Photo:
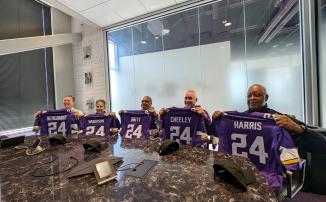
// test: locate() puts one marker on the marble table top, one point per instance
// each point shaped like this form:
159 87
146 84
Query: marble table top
186 175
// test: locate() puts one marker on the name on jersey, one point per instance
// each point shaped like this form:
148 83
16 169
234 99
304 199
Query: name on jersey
56 118
248 125
96 121
178 119
135 119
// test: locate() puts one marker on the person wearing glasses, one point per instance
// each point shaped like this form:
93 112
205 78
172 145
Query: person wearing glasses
303 136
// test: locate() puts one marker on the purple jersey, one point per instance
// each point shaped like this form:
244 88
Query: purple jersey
183 125
136 124
57 122
257 137
97 124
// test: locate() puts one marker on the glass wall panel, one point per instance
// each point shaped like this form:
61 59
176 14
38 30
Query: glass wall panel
321 9
275 60
26 78
26 85
217 49
122 83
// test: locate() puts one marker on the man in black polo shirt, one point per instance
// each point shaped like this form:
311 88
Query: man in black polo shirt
304 136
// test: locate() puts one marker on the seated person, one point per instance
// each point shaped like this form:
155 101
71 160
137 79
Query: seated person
137 124
100 123
100 109
68 103
303 136
146 104
190 101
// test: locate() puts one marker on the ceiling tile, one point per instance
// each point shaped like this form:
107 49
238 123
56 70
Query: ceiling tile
127 8
153 5
81 5
102 15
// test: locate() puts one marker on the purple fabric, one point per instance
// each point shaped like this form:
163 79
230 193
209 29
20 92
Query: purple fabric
96 124
257 138
136 124
181 125
56 122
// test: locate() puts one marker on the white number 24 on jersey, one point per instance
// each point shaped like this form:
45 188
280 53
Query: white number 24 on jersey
184 136
132 131
257 148
54 129
90 130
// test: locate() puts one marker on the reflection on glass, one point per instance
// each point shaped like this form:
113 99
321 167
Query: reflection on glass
218 49
322 58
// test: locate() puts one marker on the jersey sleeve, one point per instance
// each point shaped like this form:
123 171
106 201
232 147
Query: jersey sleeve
289 155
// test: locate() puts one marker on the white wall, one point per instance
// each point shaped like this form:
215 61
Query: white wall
165 76
221 83
62 59
95 64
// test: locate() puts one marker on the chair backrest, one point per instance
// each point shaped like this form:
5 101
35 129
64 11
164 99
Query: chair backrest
257 138
54 122
183 126
136 124
96 124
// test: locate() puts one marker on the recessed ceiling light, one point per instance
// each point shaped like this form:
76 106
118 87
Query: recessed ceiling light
228 24
165 31
143 42
156 37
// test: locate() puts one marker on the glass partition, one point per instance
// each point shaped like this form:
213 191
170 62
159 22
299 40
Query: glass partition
321 9
217 49
26 78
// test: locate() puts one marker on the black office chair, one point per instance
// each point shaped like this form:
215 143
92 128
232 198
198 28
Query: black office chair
314 166
293 181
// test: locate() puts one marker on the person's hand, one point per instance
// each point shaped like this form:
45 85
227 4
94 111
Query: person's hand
77 114
114 131
217 114
112 114
37 114
287 123
199 110
152 112
162 111
204 137
160 132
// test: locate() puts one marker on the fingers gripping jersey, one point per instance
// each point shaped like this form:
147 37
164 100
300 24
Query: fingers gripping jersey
257 137
57 122
97 124
183 125
136 124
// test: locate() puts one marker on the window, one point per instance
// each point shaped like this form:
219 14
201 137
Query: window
26 78
113 55
217 49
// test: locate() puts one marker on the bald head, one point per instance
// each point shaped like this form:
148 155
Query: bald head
256 97
190 98
146 103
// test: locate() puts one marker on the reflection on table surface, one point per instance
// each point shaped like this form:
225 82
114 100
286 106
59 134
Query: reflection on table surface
186 175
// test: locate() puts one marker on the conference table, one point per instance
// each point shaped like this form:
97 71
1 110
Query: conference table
186 175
